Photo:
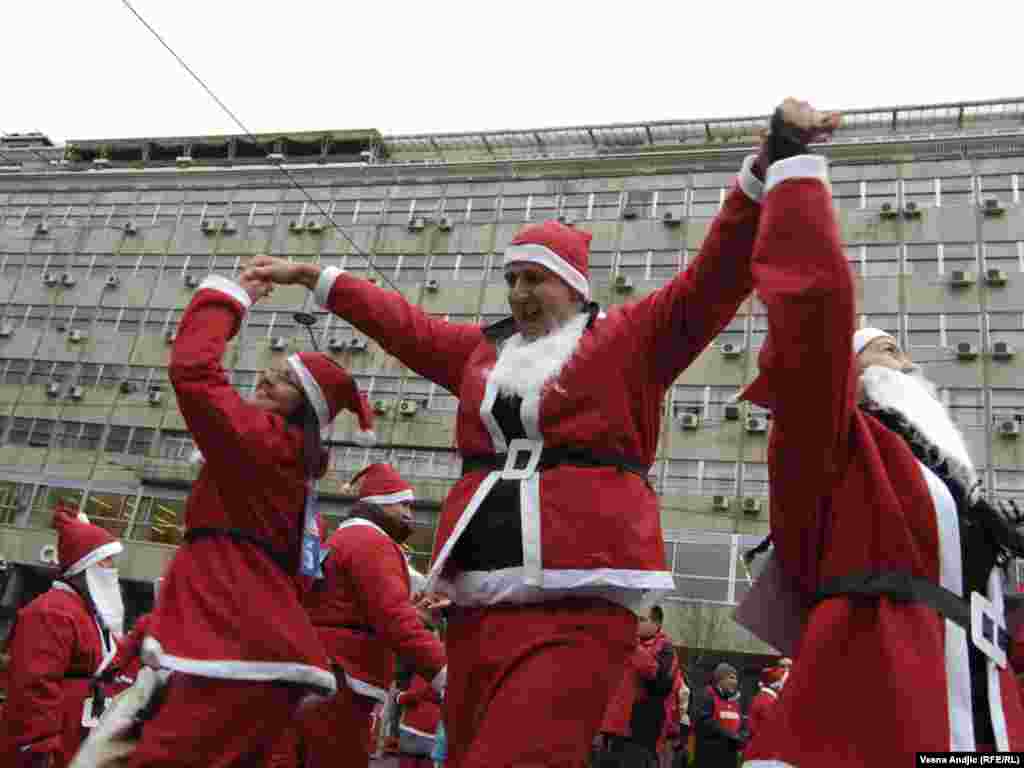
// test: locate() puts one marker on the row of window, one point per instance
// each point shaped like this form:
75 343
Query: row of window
698 196
76 435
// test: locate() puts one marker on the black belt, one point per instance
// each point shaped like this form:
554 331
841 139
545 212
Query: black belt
904 588
552 457
365 629
286 564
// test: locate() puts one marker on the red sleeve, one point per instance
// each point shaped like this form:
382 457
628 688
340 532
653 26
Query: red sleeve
644 663
676 322
377 572
808 371
40 657
235 437
419 690
128 649
756 717
433 348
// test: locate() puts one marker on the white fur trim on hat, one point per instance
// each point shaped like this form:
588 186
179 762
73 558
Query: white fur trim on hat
865 336
100 553
230 287
312 389
391 498
541 254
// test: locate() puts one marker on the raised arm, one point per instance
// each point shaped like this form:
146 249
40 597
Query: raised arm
435 349
676 322
234 436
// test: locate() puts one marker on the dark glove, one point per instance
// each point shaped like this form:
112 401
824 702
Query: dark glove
784 139
34 760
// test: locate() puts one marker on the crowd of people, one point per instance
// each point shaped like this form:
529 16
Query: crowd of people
273 644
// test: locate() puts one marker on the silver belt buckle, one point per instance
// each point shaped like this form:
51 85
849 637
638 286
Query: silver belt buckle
987 628
516 449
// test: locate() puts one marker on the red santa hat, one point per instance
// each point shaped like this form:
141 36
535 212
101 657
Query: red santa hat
329 389
564 250
773 677
80 544
381 484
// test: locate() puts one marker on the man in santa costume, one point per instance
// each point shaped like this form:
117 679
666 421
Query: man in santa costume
770 685
364 617
61 642
878 522
230 625
552 537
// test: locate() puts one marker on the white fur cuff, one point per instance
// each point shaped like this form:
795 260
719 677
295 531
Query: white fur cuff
752 186
797 167
440 681
230 287
322 292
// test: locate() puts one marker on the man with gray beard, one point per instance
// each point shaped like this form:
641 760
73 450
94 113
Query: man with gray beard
880 528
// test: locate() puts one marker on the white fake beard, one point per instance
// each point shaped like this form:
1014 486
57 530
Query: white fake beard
524 367
105 591
915 397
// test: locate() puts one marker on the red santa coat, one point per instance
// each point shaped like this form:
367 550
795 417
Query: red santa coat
848 497
761 707
230 606
421 708
56 648
363 614
573 537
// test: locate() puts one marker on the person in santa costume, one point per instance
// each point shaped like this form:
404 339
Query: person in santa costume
365 619
421 712
881 535
770 685
61 643
552 537
229 624
718 721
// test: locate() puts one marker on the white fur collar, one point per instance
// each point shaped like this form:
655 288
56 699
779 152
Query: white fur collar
524 367
914 398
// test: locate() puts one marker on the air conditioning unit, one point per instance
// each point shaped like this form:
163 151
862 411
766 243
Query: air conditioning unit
730 349
381 406
966 351
756 424
76 392
112 281
670 219
1009 428
170 336
183 161
6 330
67 280
76 336
192 281
960 278
130 228
42 228
1002 350
50 278
911 211
721 503
295 225
101 162
276 157
408 408
689 421
357 345
278 343
751 505
995 277
991 206
48 554
336 344
432 285
569 221
417 223
623 283
732 412
629 212
315 226
127 387
155 397
228 227
444 224
888 211
208 226
53 389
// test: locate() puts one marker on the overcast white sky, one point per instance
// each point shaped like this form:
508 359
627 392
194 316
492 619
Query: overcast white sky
87 69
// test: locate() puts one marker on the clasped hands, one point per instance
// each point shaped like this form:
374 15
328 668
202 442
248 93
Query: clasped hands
261 273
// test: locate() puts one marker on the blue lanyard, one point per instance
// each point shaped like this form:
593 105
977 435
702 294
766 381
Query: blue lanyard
311 560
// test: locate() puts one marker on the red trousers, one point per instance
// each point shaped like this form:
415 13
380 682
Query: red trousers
210 723
334 732
528 685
